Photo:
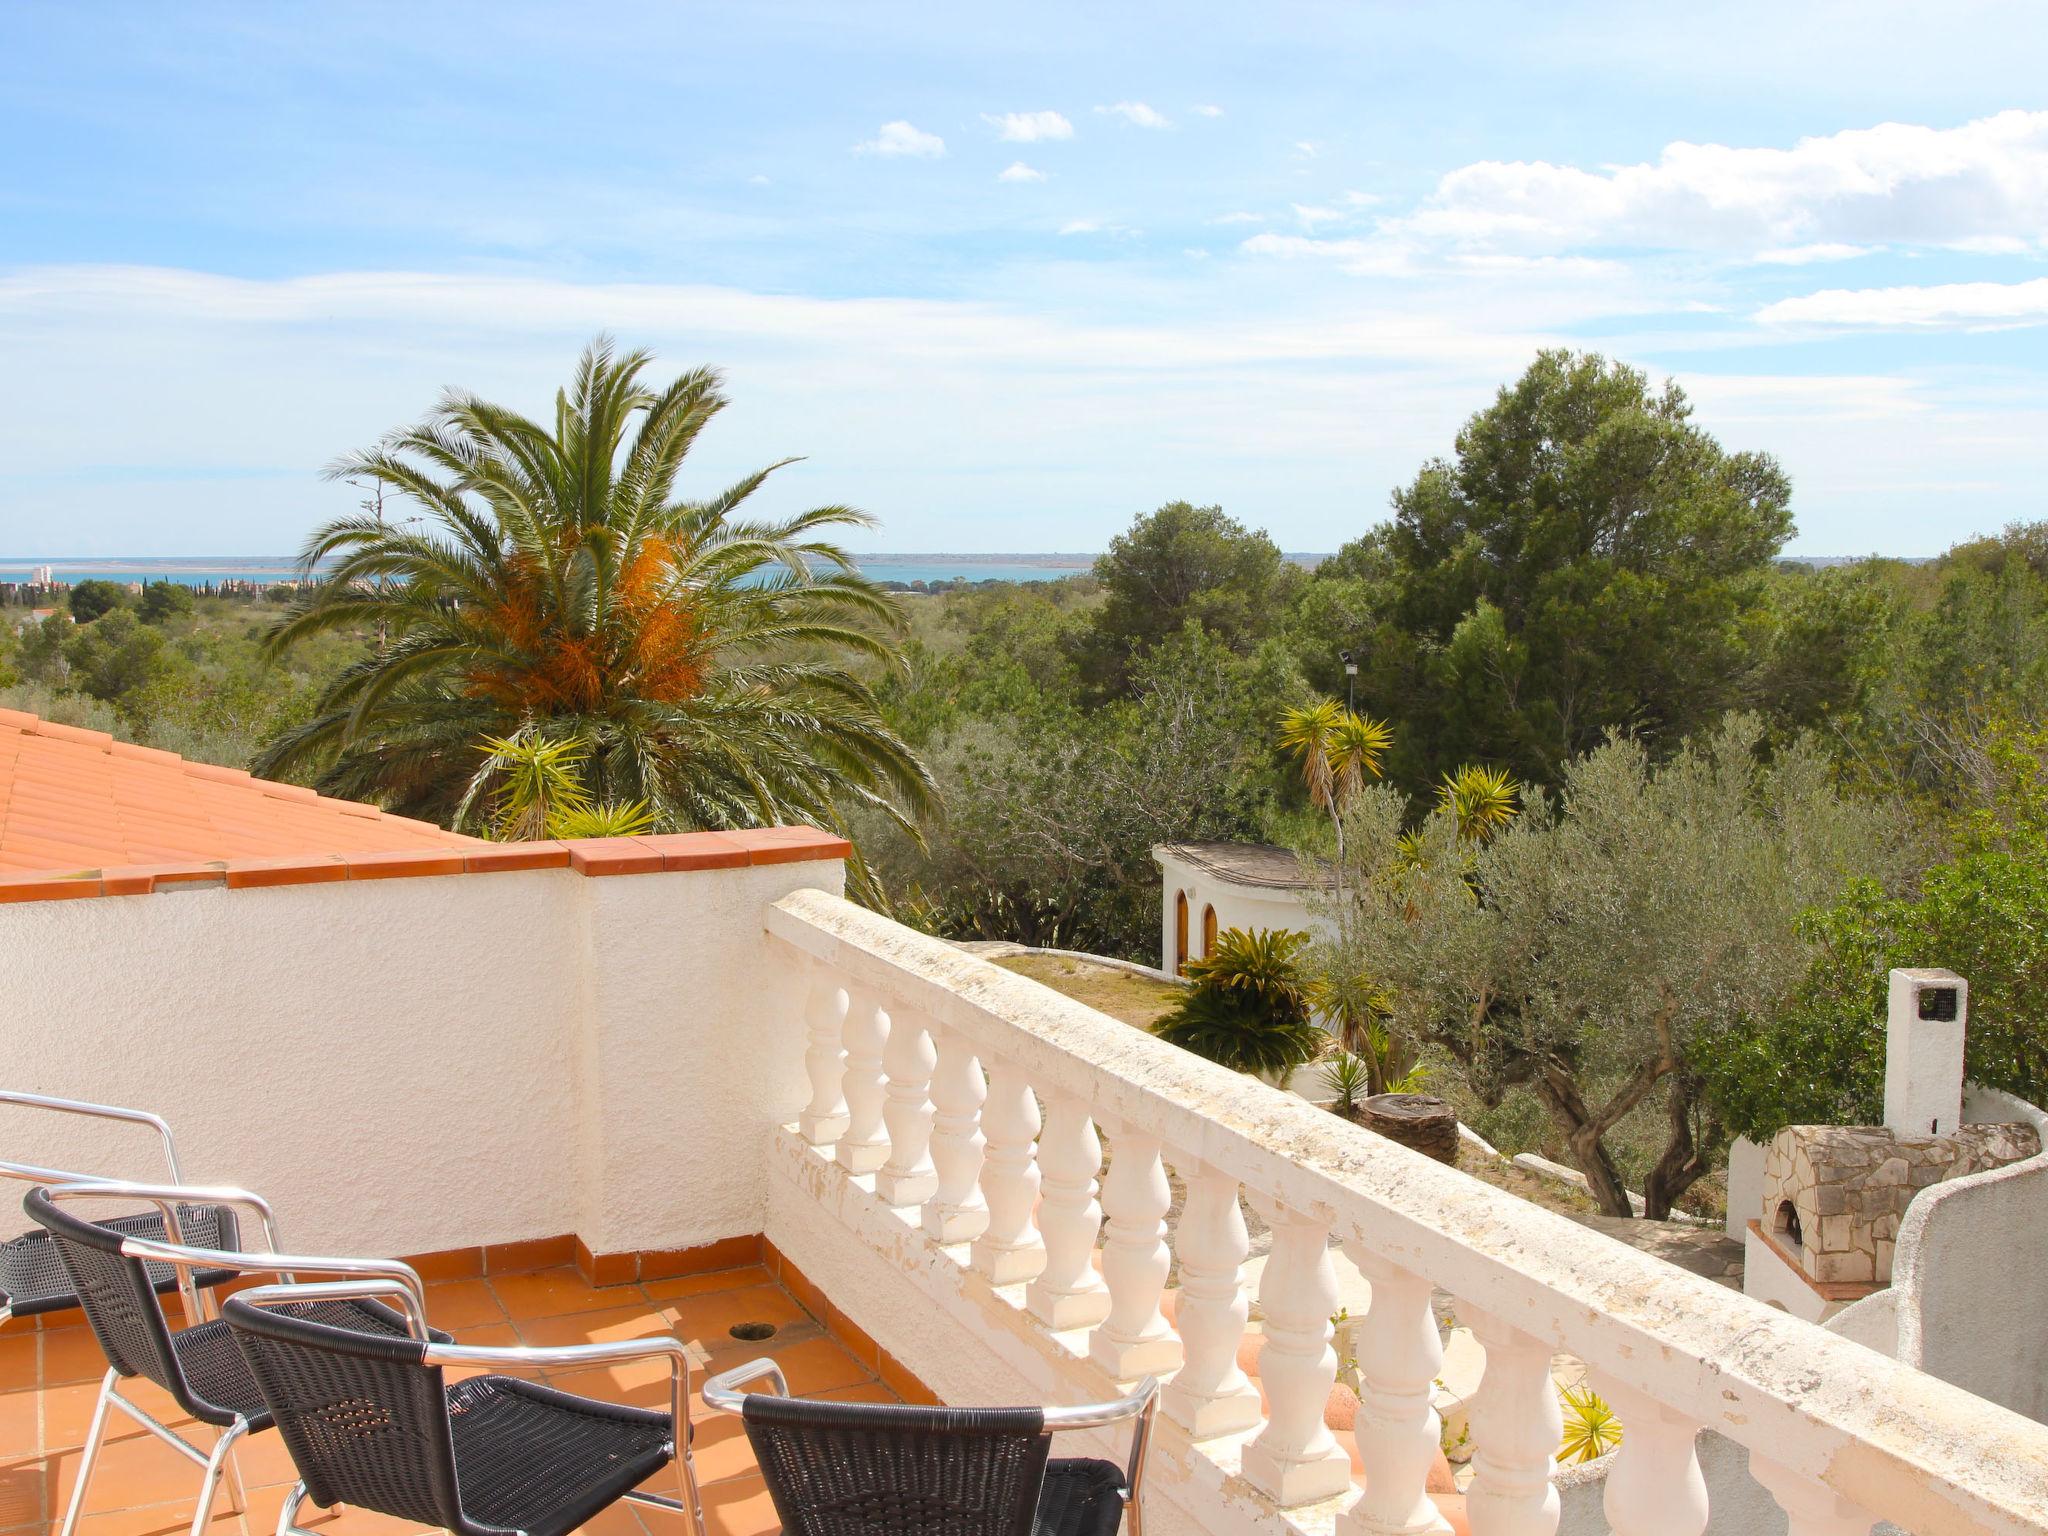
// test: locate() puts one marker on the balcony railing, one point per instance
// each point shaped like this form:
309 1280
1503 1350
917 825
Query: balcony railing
974 1104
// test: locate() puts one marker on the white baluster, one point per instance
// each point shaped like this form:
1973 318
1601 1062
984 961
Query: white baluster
824 1119
861 1147
1516 1426
1812 1508
1656 1487
1296 1459
1010 1249
1210 1395
1068 1293
1398 1431
956 1212
908 1177
1135 1339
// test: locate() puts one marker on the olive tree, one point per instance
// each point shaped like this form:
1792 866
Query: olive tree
1596 950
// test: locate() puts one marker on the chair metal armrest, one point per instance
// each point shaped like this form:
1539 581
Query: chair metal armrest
527 1357
1140 1406
98 1111
405 1288
723 1390
168 1197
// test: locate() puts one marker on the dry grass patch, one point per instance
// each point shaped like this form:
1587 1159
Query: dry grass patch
1137 1000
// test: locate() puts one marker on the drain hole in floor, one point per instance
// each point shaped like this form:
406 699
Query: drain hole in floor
752 1332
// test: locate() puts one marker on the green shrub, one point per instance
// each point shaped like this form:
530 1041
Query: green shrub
1248 1007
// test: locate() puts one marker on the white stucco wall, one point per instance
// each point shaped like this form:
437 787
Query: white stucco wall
414 1064
1237 906
1972 1294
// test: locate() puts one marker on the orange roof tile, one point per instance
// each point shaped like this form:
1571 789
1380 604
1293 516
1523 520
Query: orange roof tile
73 800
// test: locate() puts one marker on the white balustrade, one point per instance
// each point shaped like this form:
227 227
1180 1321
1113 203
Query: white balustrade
1134 1339
1210 1394
908 1177
1010 1250
1516 1425
1811 1508
823 1120
862 1147
1656 1487
1068 1293
956 1212
1398 1431
1668 1355
1295 1459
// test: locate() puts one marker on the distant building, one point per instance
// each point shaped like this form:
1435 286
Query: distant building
1211 887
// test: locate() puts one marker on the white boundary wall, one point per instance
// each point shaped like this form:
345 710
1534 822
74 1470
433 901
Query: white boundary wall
407 1065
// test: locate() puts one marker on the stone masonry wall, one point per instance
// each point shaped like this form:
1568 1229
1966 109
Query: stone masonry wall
1849 1187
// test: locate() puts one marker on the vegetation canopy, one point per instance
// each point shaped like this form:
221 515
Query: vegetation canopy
555 585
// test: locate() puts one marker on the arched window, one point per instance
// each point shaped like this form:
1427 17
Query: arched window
1208 932
1180 931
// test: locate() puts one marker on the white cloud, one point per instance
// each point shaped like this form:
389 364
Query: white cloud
1081 227
1239 217
1806 255
1363 199
1896 183
1308 149
1028 127
1312 216
1208 111
1967 306
757 180
1137 112
901 138
1017 170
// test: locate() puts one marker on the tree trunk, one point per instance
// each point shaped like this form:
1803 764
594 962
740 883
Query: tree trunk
1582 1136
1683 1163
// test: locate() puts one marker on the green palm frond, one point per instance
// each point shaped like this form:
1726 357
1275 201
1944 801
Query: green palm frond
557 588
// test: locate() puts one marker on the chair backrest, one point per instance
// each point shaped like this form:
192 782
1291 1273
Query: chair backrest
117 1294
364 1416
864 1469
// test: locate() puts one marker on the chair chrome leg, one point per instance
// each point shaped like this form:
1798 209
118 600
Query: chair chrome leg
89 1453
686 1469
216 1464
288 1516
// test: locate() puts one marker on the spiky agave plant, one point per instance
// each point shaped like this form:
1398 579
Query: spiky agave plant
557 584
1248 1006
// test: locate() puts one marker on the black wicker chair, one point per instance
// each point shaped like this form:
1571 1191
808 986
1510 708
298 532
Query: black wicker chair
372 1422
886 1469
113 1272
33 1278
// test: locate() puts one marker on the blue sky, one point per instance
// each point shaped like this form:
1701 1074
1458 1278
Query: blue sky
1009 275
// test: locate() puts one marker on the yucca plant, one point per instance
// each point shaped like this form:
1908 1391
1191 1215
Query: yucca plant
1480 800
1338 751
540 793
1247 1007
1590 1428
559 585
1349 1079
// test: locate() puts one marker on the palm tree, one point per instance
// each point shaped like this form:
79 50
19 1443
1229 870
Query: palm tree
558 589
1338 751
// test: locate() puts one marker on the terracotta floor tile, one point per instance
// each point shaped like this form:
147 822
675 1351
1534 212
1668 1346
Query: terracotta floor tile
555 1292
172 1519
640 1384
458 1305
699 1285
819 1365
17 1361
490 1336
740 1506
623 1519
21 1415
616 1324
21 1494
709 1319
264 1460
131 1473
72 1354
67 1414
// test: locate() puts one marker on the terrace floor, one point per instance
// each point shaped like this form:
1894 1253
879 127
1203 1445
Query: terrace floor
48 1378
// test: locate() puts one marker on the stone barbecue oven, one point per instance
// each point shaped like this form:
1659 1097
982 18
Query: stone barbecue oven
1834 1195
